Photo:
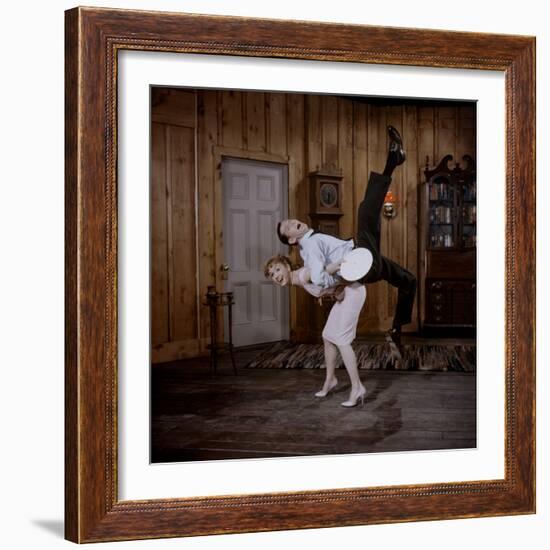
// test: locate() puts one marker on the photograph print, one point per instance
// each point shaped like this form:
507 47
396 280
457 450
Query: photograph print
313 274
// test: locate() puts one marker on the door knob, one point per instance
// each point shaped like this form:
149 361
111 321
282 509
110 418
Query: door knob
224 268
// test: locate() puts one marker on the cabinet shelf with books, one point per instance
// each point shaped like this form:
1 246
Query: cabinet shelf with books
447 244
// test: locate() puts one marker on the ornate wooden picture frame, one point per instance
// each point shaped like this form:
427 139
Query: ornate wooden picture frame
93 509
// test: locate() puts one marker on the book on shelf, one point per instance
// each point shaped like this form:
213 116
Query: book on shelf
441 214
442 240
469 214
440 192
469 193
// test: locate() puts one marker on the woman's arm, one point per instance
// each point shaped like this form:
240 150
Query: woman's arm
301 277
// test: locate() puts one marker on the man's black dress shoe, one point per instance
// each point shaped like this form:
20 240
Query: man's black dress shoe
396 152
394 335
393 338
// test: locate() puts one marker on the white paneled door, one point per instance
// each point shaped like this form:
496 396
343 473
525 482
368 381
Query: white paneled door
254 201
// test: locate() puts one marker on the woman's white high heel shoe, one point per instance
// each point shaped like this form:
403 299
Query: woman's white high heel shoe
355 397
326 390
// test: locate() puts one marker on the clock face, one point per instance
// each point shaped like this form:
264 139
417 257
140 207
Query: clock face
328 195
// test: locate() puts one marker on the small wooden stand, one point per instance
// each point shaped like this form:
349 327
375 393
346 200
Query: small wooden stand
214 300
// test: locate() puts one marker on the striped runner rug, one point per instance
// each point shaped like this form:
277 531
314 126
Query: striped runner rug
421 357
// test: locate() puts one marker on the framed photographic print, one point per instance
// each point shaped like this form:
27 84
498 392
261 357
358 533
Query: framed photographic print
283 309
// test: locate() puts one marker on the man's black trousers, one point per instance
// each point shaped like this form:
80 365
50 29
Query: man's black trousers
383 269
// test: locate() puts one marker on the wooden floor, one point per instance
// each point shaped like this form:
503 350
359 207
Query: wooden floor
273 413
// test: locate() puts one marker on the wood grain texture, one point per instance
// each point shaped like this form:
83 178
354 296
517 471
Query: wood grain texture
414 411
174 298
183 248
231 119
94 512
466 132
173 106
409 198
276 123
345 163
329 131
298 197
72 449
160 325
256 123
425 155
87 265
207 138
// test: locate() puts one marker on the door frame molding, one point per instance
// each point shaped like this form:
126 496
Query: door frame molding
219 154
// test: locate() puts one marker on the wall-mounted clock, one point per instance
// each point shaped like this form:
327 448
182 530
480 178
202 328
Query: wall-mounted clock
325 193
328 194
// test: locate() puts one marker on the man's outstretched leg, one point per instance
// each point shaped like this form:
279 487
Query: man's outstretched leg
370 209
368 222
368 236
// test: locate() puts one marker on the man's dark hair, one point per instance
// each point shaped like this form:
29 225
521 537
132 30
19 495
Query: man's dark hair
282 237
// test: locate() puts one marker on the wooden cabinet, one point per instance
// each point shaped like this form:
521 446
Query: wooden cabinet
447 245
450 302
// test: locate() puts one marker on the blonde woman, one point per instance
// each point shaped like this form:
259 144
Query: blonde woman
341 326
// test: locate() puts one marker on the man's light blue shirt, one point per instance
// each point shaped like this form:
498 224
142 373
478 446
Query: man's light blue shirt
318 250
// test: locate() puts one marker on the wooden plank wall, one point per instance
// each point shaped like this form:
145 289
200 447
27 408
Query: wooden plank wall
308 132
174 293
